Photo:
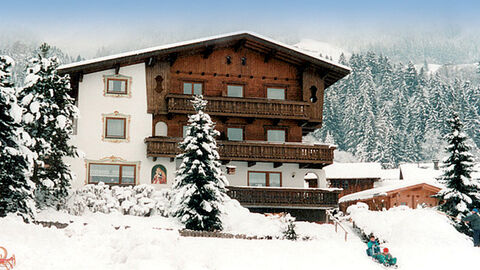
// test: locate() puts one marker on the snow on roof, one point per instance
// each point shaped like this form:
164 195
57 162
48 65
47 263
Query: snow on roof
383 190
353 170
391 174
183 43
419 172
320 47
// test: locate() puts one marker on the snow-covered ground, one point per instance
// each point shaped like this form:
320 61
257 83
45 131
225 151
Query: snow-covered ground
420 239
98 245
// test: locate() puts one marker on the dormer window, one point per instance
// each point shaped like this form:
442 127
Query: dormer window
117 86
192 88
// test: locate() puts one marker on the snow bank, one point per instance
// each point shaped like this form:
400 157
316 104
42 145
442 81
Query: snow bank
419 238
99 245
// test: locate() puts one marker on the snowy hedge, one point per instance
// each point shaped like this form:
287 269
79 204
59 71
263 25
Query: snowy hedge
141 200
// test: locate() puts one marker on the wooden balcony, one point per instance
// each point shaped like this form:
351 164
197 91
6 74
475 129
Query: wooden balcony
242 107
284 197
253 151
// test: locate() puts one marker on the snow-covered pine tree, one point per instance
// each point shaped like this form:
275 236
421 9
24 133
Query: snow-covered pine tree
16 190
199 188
461 192
48 118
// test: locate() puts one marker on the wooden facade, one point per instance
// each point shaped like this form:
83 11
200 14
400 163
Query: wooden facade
410 196
352 185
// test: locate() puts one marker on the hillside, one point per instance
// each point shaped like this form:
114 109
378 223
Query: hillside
420 238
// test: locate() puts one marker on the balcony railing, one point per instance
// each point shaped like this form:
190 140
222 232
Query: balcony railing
284 197
256 151
243 107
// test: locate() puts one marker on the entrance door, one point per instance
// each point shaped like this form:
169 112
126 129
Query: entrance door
313 183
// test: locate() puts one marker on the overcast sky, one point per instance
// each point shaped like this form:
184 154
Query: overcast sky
84 26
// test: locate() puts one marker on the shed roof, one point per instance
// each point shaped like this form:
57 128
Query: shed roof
333 71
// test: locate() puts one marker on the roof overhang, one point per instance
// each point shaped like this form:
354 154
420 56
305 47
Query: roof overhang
331 71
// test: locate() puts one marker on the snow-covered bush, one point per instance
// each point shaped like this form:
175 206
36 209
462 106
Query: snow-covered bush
141 200
288 223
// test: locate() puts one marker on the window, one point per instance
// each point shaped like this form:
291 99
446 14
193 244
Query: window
185 128
265 179
117 85
276 135
120 174
276 93
115 128
235 90
235 134
194 88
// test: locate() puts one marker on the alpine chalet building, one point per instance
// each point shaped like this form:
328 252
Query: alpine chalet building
263 96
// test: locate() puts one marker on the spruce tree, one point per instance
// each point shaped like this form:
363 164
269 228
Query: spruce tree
461 192
49 113
199 187
16 190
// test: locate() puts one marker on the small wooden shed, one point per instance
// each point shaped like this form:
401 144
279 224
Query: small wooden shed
386 197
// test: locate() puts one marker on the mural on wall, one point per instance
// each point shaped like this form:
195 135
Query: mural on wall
159 174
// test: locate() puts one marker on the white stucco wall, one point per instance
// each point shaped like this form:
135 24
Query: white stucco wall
92 104
292 175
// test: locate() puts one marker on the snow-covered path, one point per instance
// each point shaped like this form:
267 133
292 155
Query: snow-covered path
100 246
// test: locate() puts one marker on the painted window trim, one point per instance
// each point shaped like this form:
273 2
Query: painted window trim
113 160
117 115
267 180
118 77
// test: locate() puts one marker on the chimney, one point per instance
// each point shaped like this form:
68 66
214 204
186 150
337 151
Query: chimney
435 164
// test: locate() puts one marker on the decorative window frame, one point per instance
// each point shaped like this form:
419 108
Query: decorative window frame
116 114
113 160
128 80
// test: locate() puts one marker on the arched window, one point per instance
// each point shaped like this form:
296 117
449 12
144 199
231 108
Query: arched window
161 129
313 94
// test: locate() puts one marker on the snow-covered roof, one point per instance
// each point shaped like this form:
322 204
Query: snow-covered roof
359 170
387 186
106 62
419 172
390 174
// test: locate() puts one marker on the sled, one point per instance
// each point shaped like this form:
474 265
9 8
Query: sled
6 263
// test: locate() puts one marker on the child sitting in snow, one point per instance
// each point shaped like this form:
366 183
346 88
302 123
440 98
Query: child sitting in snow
373 247
385 258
